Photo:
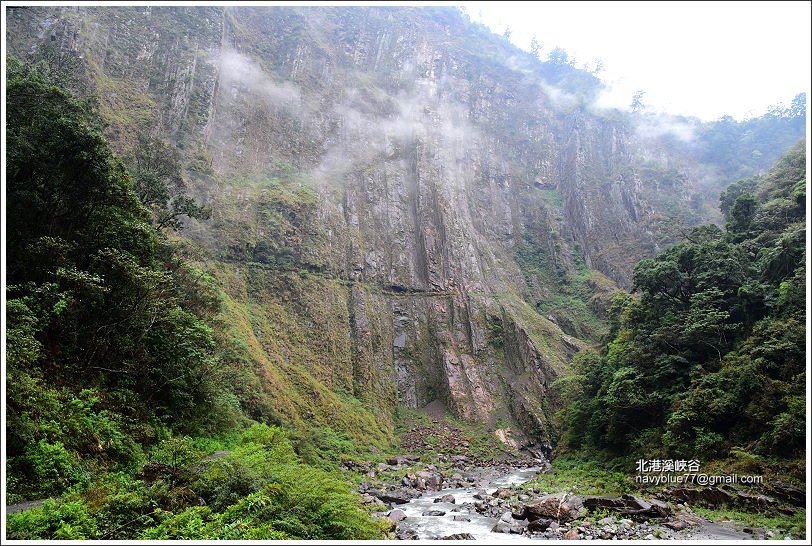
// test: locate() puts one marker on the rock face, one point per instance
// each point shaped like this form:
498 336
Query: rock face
403 202
629 505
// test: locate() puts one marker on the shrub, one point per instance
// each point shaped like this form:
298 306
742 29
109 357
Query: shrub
54 520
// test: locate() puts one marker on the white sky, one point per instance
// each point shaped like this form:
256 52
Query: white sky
704 59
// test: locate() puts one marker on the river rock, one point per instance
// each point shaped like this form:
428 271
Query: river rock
460 518
643 508
459 536
505 527
572 534
789 494
539 525
503 493
677 524
406 534
427 479
560 506
397 496
434 513
446 498
480 494
396 515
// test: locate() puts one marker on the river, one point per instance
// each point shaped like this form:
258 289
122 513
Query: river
428 527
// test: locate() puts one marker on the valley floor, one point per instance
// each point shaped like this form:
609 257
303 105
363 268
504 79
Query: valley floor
445 479
444 490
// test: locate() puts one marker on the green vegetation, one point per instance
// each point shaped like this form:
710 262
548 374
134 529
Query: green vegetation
582 476
121 375
710 356
575 301
158 182
743 148
260 490
783 526
158 389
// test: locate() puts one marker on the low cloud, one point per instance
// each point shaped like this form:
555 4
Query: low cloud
656 126
239 73
372 127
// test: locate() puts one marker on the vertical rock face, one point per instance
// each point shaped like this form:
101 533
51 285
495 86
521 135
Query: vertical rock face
404 153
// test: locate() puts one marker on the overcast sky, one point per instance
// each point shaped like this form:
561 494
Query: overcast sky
704 59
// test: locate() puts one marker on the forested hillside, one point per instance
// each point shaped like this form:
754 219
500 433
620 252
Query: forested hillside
707 354
112 357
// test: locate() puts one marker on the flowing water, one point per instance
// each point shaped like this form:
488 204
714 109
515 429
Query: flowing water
480 526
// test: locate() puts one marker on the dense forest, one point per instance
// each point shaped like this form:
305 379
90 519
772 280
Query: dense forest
707 353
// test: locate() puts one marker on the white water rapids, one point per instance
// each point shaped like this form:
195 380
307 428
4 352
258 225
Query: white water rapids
428 527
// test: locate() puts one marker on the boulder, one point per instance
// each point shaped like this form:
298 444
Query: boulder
629 505
559 506
396 515
428 479
610 503
459 536
406 534
572 534
789 494
636 506
539 525
398 496
446 498
505 527
708 496
434 513
368 499
503 493
677 524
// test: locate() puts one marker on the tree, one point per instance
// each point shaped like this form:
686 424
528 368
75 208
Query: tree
558 56
637 101
159 183
506 35
535 47
599 66
94 288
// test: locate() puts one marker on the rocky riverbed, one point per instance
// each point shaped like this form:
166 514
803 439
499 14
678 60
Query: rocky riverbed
468 501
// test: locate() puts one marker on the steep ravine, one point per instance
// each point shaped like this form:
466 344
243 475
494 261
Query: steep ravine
401 200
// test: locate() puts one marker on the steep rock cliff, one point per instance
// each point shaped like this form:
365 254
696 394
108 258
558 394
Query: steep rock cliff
406 207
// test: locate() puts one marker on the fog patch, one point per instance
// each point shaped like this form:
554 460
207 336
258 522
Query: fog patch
390 126
239 74
657 126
